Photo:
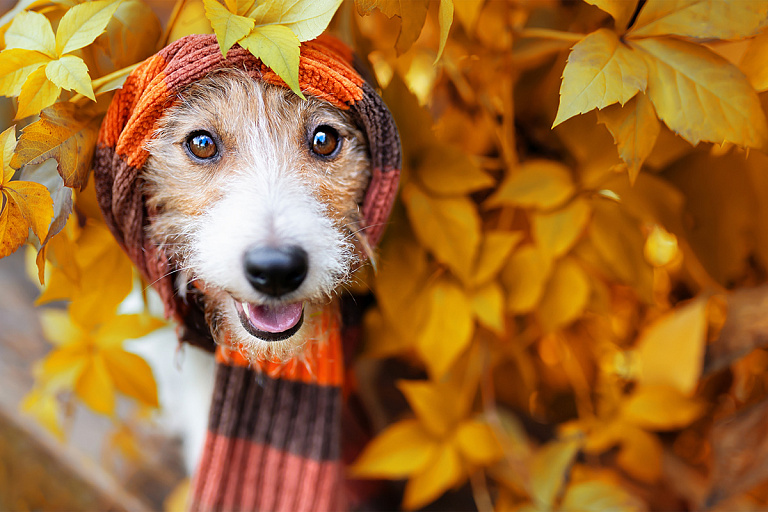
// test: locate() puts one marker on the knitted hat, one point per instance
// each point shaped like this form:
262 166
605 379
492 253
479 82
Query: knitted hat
325 71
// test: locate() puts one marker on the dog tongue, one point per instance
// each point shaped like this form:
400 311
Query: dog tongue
273 318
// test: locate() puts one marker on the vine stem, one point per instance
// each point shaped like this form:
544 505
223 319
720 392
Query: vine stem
545 33
104 79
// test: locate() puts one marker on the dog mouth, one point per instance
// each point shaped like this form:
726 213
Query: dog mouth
271 323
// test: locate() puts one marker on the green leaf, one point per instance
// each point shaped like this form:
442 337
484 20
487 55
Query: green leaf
277 47
70 73
83 23
306 18
16 64
31 31
229 27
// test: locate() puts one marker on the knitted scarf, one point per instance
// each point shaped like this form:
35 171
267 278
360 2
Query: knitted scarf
274 429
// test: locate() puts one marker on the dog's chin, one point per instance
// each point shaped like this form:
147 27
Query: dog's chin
262 332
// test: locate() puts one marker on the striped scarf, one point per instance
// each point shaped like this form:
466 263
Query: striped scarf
274 438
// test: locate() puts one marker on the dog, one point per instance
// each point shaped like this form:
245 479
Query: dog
248 209
256 195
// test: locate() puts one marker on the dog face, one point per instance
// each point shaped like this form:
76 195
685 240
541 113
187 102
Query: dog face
254 193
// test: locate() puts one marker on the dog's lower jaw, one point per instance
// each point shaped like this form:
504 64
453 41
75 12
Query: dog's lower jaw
228 330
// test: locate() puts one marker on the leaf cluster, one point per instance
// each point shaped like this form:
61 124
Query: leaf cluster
576 267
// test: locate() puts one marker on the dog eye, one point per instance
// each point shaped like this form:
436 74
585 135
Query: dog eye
202 145
325 140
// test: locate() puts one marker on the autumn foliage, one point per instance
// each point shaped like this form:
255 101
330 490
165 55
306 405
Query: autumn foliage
574 277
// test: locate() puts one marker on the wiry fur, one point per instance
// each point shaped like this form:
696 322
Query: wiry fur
267 188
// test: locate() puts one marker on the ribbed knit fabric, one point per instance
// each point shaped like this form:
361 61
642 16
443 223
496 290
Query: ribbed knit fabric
274 440
274 431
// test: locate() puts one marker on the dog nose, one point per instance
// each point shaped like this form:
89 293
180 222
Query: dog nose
276 270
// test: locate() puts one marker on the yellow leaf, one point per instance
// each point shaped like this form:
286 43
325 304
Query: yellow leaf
536 183
702 96
448 330
566 295
660 408
46 410
467 12
7 145
37 93
382 340
413 14
178 499
240 7
597 496
31 31
16 65
617 239
640 454
445 17
108 280
752 64
524 277
131 375
191 20
600 71
277 47
435 404
446 170
14 228
493 253
70 73
305 18
701 19
660 247
671 350
635 128
61 133
35 204
58 327
95 387
229 27
488 306
556 232
119 328
620 10
549 468
400 282
63 366
83 23
133 21
478 443
442 473
448 227
398 451
58 286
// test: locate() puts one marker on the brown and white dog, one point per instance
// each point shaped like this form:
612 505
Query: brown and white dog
257 193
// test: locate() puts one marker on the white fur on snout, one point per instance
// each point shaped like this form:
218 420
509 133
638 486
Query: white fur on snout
274 212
